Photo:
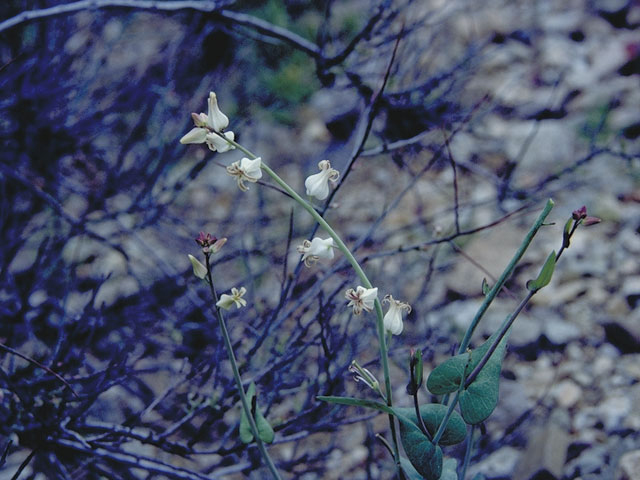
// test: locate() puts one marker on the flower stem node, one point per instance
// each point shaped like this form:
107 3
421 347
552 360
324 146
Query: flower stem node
227 301
246 170
199 270
393 318
314 250
317 185
361 299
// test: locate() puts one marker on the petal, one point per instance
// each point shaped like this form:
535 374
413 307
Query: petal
251 168
216 143
317 185
225 301
195 135
322 248
199 270
217 120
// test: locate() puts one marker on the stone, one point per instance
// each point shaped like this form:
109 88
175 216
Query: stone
546 450
499 464
629 466
566 393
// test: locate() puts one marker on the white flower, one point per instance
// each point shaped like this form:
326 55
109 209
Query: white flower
199 270
216 143
314 250
318 185
227 301
206 127
246 169
361 299
393 318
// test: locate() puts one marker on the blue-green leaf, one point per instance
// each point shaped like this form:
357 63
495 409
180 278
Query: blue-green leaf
265 430
432 415
480 398
421 452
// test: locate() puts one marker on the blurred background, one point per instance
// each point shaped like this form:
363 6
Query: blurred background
451 123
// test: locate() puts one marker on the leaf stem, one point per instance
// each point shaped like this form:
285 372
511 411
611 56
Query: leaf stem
505 275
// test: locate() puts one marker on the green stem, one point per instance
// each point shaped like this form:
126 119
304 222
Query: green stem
445 420
359 271
236 375
467 453
505 275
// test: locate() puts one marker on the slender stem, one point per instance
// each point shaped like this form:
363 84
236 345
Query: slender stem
505 275
359 271
236 375
501 333
445 420
467 453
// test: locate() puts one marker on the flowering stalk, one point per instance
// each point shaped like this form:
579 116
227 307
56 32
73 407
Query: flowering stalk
357 268
236 375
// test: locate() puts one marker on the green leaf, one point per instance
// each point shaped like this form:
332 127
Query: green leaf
423 455
265 430
480 398
544 277
446 377
432 415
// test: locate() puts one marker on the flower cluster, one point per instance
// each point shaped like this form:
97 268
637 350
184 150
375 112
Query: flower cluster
209 128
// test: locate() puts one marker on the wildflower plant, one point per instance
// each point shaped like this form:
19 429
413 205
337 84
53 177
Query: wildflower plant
467 384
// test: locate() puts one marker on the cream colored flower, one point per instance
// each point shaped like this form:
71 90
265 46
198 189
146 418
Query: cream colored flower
199 270
246 169
393 318
317 185
314 250
361 299
227 301
207 128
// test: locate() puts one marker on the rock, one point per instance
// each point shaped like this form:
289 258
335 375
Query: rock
629 466
613 410
499 464
561 332
546 450
566 393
